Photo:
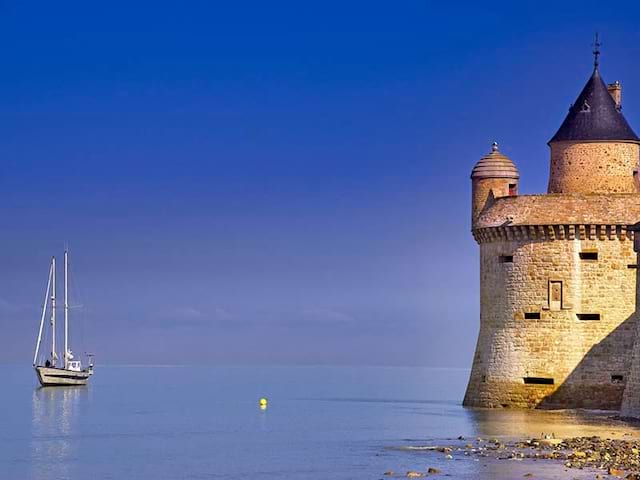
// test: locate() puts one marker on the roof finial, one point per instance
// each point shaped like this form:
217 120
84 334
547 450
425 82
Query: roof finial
596 51
494 147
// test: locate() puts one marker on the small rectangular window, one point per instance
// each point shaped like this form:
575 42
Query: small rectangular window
617 378
532 315
538 381
513 189
588 316
506 258
555 295
588 255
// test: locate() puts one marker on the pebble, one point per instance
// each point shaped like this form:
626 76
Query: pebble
618 457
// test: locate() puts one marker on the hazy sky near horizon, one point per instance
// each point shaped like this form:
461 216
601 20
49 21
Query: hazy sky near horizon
275 182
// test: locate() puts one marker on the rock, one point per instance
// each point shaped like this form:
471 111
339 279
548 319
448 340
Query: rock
550 442
619 457
414 474
432 470
389 472
528 475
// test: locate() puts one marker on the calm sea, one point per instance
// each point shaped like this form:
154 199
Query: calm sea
204 423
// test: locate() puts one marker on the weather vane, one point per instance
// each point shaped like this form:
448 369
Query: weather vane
596 51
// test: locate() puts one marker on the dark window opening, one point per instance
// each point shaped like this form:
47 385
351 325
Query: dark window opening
484 379
632 265
506 258
513 189
588 255
538 381
617 378
588 316
532 315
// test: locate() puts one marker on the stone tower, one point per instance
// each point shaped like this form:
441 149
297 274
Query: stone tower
495 175
558 270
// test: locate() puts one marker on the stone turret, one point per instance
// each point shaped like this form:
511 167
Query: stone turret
494 176
558 272
595 150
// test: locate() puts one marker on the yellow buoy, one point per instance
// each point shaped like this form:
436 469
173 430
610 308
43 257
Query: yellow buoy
263 403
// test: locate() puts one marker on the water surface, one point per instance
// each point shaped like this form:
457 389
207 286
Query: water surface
205 423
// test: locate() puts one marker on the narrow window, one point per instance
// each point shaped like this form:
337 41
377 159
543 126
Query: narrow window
588 316
617 378
555 295
532 315
506 258
538 381
484 379
513 189
585 107
588 255
633 265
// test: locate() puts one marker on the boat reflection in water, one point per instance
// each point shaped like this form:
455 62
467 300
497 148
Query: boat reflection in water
55 444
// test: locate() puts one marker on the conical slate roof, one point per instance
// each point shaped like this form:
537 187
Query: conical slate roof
495 165
594 116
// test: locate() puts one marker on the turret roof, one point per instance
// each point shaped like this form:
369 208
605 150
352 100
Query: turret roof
495 165
594 116
562 208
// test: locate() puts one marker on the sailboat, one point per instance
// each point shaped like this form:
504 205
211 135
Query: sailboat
71 371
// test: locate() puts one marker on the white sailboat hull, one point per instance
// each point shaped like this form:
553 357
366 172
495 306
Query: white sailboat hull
50 377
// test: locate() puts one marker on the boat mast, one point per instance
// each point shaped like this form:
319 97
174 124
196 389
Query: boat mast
53 313
66 308
44 314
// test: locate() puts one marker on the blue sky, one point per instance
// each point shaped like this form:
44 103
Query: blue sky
275 183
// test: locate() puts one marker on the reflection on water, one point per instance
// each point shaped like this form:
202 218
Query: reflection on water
563 423
54 423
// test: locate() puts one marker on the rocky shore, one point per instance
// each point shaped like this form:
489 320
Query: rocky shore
606 458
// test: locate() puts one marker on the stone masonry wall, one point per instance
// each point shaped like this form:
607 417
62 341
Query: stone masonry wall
594 167
484 190
587 360
631 399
